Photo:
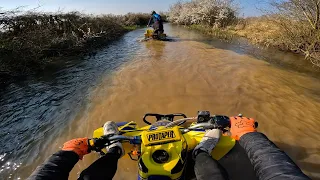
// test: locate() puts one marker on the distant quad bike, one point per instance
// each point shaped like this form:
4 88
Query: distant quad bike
150 34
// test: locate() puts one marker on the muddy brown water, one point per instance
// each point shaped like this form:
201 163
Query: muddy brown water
130 78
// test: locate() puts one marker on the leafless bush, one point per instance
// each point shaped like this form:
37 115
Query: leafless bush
139 19
300 22
217 13
28 40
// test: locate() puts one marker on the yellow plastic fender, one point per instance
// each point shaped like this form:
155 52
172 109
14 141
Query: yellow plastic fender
225 144
149 33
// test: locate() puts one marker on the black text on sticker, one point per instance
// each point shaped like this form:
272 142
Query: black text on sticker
161 136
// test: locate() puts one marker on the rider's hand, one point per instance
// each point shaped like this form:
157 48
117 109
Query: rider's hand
208 142
241 126
79 146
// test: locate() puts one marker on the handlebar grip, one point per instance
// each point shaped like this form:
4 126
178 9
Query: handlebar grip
96 144
91 143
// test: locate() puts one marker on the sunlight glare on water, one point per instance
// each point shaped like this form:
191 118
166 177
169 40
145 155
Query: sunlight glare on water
9 167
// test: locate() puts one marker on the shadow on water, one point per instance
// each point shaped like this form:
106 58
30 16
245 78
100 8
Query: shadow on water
238 165
243 169
287 60
301 155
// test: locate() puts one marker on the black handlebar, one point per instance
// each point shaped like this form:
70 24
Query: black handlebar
97 144
221 122
204 120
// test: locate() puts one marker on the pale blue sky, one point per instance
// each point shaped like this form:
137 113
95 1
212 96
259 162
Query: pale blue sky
248 7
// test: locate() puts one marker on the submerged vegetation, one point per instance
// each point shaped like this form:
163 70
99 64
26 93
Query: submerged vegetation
30 41
292 25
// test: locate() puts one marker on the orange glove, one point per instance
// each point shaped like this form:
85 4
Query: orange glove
79 146
241 126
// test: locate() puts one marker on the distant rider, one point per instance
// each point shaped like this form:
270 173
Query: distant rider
157 23
269 162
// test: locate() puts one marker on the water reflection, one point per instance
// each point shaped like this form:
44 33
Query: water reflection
36 111
155 48
8 167
287 60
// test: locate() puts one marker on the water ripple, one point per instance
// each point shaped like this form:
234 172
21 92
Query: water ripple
38 107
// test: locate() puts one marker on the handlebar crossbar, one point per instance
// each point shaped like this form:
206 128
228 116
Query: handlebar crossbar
131 139
203 125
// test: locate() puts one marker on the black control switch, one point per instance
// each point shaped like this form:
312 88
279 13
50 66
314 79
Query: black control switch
203 116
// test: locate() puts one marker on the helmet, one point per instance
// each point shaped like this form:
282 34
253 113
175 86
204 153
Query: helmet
153 12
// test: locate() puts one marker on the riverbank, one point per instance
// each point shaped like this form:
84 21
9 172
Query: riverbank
291 27
261 31
30 42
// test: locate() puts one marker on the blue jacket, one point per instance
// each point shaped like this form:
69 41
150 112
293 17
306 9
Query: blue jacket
156 17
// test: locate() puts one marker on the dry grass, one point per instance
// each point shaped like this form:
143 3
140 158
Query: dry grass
287 35
223 34
293 26
260 30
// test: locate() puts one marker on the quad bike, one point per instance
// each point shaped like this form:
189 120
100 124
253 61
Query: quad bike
163 149
150 34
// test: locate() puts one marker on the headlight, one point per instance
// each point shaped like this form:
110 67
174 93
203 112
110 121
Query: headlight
160 156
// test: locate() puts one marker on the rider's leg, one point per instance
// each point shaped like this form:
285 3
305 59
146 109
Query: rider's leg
156 26
161 30
106 166
103 168
207 168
